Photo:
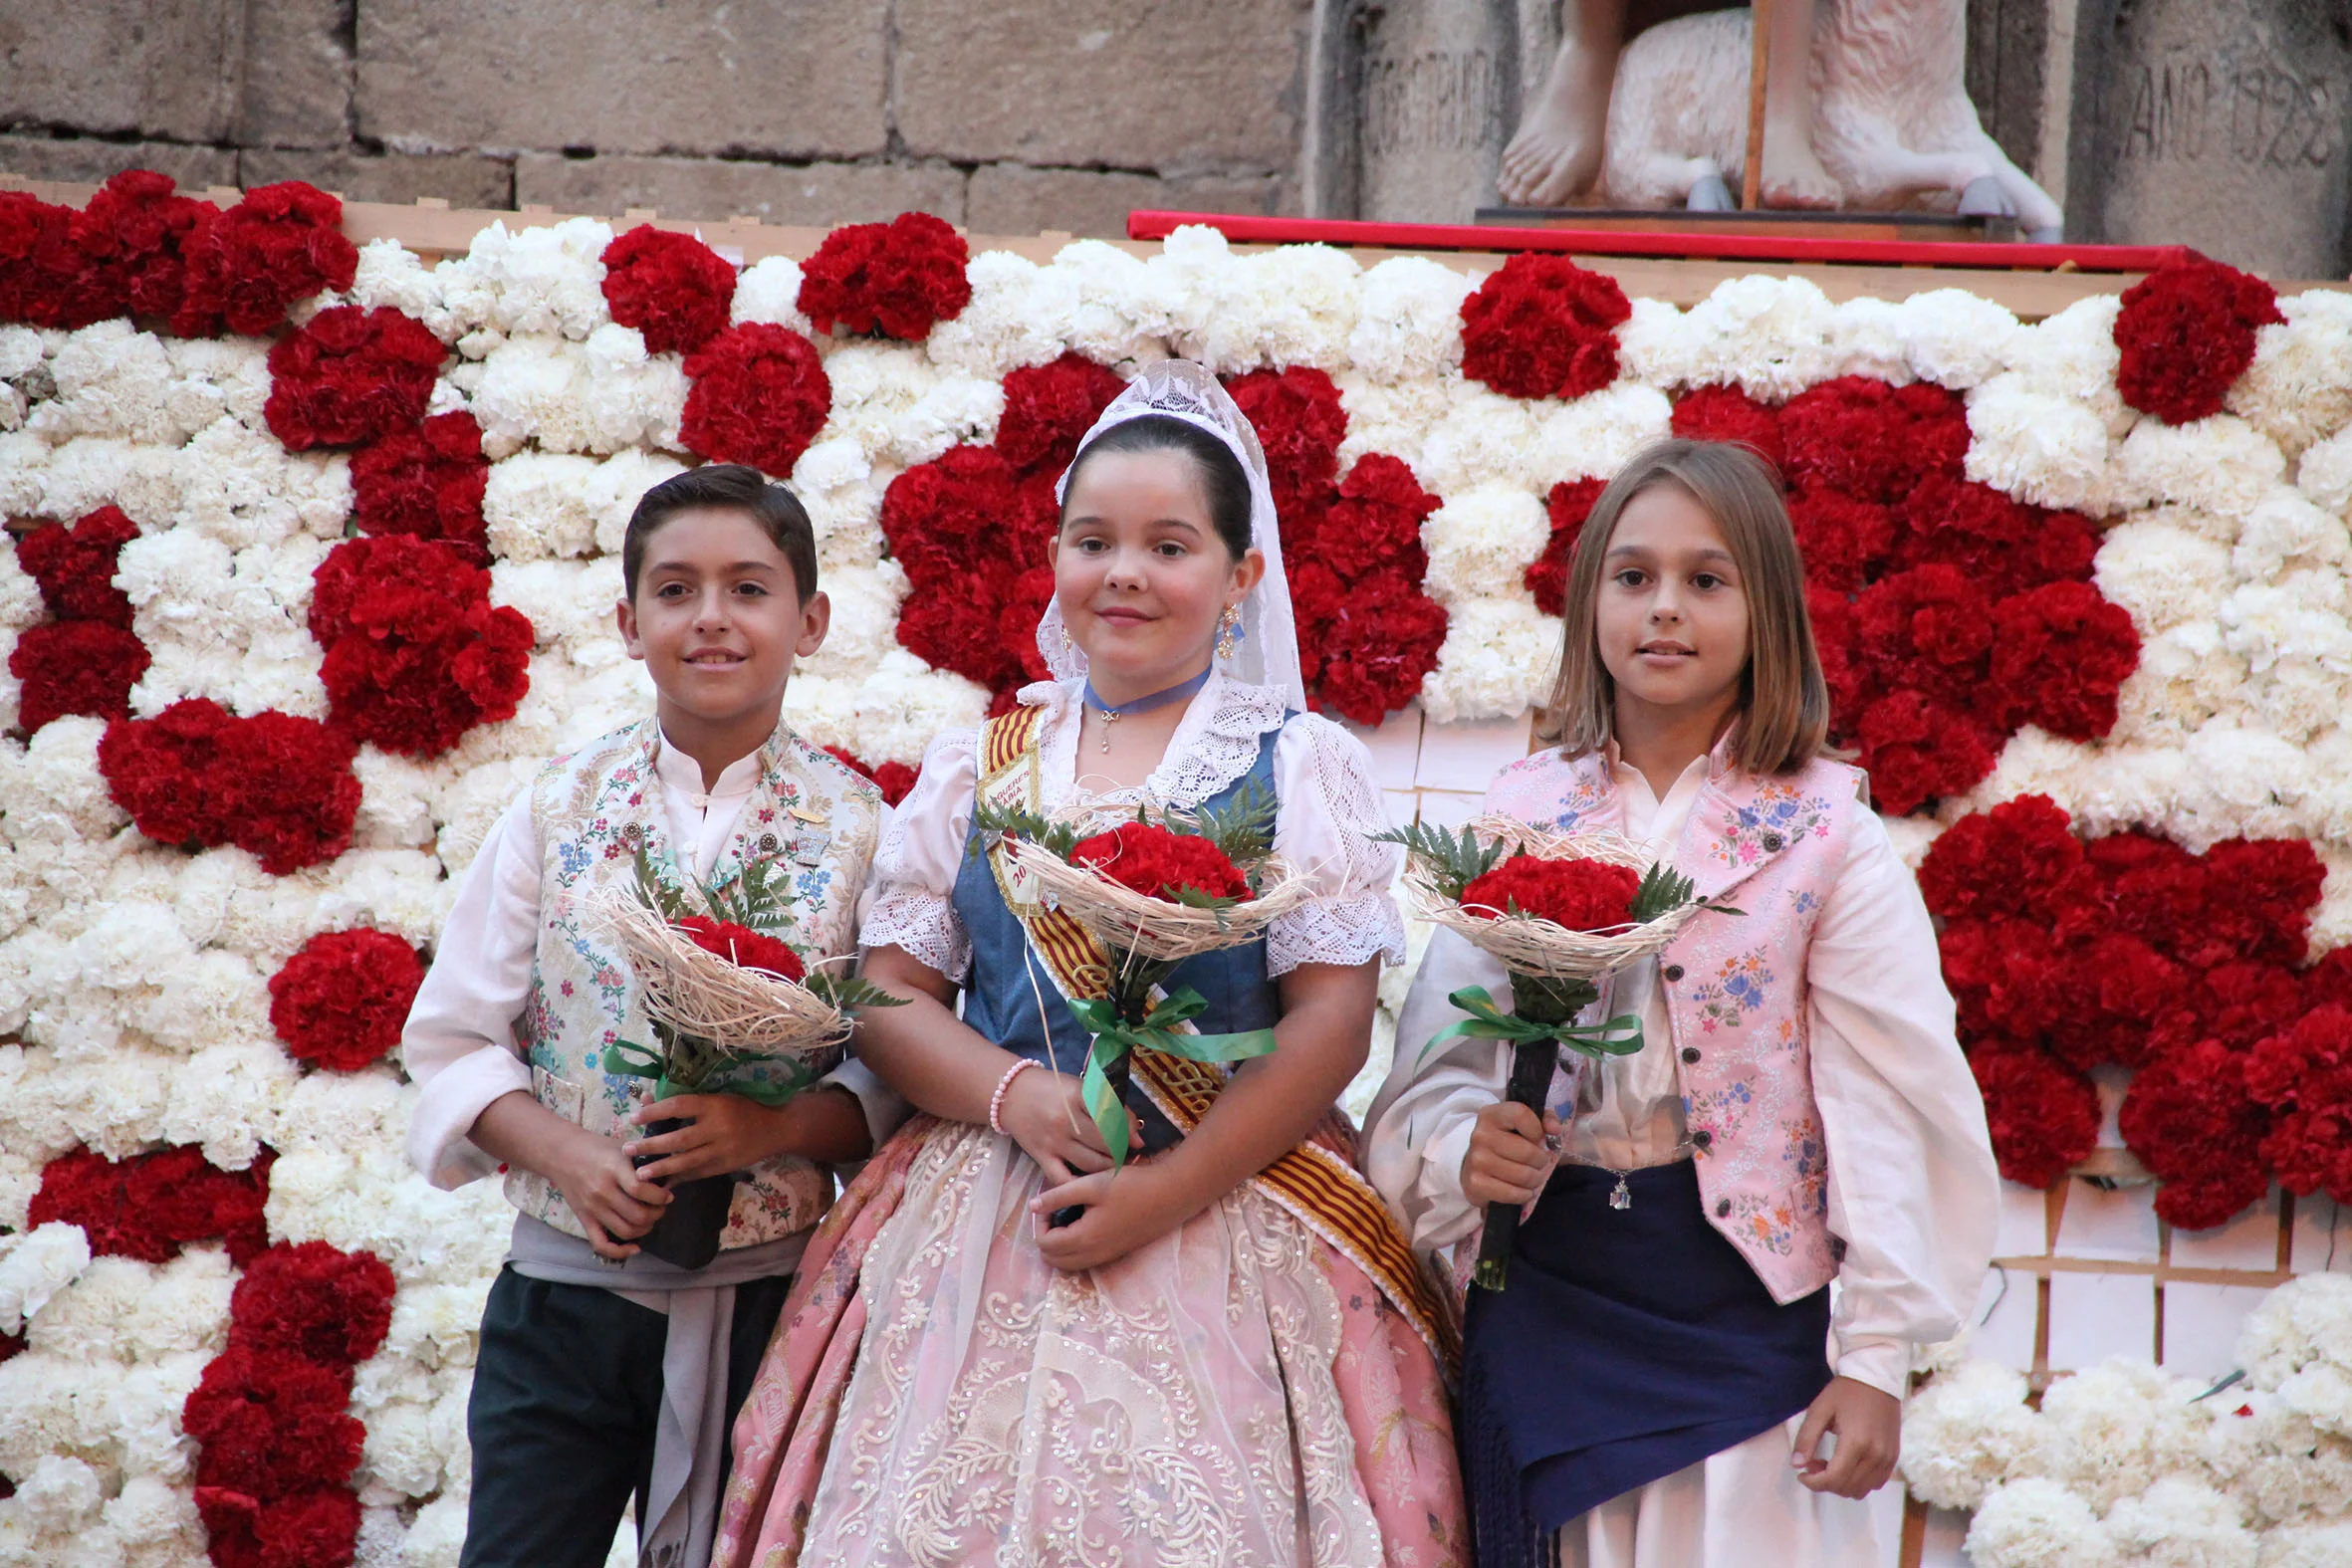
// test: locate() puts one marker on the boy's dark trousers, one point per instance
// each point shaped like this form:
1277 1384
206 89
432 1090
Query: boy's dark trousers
567 1394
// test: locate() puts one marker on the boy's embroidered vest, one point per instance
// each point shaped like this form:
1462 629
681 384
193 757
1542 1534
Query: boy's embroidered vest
592 810
1735 987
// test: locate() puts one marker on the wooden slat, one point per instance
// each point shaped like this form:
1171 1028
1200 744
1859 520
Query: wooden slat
1760 61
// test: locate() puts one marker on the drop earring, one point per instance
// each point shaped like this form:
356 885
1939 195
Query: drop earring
1229 633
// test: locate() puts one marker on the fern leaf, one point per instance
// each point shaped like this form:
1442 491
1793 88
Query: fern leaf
1242 828
1662 891
1453 860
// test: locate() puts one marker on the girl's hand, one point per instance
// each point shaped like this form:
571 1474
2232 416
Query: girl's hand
1046 1116
1124 1209
611 1196
1869 1427
723 1133
1508 1161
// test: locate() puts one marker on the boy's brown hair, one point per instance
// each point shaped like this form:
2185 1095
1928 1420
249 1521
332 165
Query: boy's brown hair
732 487
1784 720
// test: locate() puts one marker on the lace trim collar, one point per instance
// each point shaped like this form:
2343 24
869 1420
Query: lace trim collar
1215 743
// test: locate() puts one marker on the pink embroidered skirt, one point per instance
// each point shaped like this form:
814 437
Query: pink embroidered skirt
1237 1393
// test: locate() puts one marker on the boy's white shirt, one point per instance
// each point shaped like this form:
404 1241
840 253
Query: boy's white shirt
1912 1189
459 1044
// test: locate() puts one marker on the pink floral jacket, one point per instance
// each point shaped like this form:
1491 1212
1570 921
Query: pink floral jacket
1736 987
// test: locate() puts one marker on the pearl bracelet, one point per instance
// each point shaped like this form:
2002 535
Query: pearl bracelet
995 1102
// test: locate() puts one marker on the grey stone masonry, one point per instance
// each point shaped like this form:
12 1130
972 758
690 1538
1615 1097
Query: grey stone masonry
813 194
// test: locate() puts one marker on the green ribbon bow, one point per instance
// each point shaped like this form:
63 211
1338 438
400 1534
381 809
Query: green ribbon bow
631 1060
1617 1036
1115 1038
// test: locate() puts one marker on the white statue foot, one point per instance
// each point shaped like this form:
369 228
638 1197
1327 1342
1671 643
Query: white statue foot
1985 198
1791 176
1558 150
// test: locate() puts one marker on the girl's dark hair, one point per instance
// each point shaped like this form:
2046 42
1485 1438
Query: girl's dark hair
734 487
1224 484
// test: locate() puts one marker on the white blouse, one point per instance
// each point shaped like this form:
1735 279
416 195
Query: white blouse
1326 809
1912 1190
459 1044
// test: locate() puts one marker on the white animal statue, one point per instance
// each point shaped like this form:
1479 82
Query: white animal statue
1889 117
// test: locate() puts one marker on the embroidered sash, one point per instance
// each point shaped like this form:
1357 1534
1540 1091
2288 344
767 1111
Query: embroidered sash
1316 1183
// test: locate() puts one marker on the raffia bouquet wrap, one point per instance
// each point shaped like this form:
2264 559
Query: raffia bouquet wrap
734 1009
1561 911
1150 889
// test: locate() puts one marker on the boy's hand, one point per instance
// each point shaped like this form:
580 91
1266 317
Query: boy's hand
1869 1427
1508 1161
723 1133
612 1198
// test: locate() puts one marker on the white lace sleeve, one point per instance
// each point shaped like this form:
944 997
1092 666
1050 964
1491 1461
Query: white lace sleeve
915 868
1329 810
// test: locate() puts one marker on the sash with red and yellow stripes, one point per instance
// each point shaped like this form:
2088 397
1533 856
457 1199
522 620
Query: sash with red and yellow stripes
1316 1183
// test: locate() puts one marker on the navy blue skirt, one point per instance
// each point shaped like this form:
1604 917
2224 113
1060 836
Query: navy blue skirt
1630 1343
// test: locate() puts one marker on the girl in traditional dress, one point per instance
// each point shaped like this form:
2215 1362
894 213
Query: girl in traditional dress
1651 1387
1229 1357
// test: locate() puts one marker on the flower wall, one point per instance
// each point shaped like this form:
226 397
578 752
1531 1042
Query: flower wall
315 554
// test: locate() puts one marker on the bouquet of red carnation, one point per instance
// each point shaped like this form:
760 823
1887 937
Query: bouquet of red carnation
1561 911
1155 889
734 1009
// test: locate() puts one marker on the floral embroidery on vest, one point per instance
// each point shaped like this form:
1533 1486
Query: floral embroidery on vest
592 811
1735 990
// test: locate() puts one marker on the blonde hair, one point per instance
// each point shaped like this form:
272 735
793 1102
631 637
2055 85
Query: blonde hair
1784 720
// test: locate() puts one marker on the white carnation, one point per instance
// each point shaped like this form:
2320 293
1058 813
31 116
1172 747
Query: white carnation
2299 388
437 1534
2306 1546
398 890
21 351
618 484
769 289
392 275
1595 435
1481 545
399 1451
2163 574
393 795
1964 1432
244 489
1866 339
1294 304
2222 464
1956 339
37 1266
952 411
570 604
2040 447
891 712
236 369
226 1099
111 380
865 602
1010 321
2179 1522
346 1112
537 505
161 1520
2325 474
2072 355
24 472
50 791
544 278
60 1495
1770 337
1120 310
1652 343
145 1422
875 385
1484 439
470 806
1499 659
20 596
1391 417
2035 1523
2286 526
1408 325
2110 1431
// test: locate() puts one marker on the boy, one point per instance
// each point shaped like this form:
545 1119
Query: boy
604 1371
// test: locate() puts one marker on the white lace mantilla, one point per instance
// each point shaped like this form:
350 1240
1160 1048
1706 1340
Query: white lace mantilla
1329 809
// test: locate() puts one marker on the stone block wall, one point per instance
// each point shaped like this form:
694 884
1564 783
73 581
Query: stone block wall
1009 117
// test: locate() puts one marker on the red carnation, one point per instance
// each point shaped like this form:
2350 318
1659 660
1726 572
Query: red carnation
743 946
2188 1117
2155 889
2117 996
1378 647
960 628
280 245
2004 976
276 785
76 666
1916 751
1048 408
944 517
44 279
2043 1116
895 780
2004 545
1300 423
1837 642
2260 897
1872 441
76 566
2243 1002
2329 980
1025 605
416 654
1582 895
1376 522
425 480
1928 628
898 278
2059 655
272 1423
351 376
149 1206
341 998
672 288
1726 413
758 396
318 1528
2187 332
1156 862
2305 1075
1843 541
312 1300
2019 858
1568 505
137 233
1542 327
